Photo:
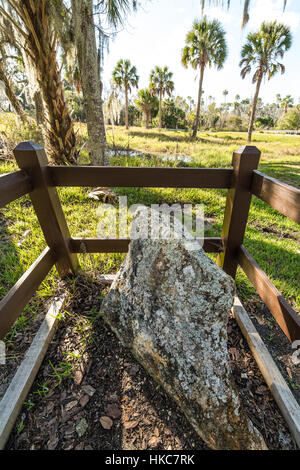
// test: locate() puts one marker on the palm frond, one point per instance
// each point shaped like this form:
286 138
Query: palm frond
227 3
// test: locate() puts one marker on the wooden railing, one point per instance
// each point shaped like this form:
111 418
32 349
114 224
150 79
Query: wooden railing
40 180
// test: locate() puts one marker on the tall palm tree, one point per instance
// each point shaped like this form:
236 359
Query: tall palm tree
262 52
146 102
205 45
246 9
160 84
125 76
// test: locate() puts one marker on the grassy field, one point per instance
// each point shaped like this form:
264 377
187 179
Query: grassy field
272 239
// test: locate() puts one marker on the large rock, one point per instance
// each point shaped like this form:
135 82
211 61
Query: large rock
170 306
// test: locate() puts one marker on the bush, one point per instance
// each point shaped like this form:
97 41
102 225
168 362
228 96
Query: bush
266 122
290 121
234 123
13 131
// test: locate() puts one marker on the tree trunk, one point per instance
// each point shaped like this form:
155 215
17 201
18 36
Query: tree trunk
88 61
39 108
126 108
159 111
147 115
10 94
253 111
196 122
41 42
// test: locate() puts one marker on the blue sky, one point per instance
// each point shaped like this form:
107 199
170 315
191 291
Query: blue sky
155 35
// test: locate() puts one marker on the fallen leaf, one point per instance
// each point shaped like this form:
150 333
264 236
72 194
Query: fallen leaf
89 390
261 390
81 427
84 400
106 422
153 441
70 405
113 411
52 443
78 376
130 424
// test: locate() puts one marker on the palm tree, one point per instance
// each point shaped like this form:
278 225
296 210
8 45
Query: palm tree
146 102
287 103
262 51
246 9
160 84
125 76
205 45
225 94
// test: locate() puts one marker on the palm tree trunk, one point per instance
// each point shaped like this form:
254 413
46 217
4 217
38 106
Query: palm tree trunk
10 94
41 43
160 109
88 61
253 111
39 108
126 107
196 122
147 115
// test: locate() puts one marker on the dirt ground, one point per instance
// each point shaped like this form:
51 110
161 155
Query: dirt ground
90 393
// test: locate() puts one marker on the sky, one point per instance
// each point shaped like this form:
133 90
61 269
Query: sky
155 35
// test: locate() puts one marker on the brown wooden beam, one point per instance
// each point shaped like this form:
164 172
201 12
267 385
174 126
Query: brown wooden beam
13 185
32 158
282 197
140 177
120 245
284 314
15 300
244 161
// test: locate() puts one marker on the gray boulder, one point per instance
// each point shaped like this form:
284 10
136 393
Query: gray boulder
169 305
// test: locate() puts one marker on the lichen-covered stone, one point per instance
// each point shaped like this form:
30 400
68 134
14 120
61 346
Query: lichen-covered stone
170 306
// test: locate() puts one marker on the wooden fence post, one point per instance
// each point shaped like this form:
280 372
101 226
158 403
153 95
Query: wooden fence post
32 158
244 161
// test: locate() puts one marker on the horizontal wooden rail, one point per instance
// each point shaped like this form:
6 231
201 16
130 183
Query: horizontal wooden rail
13 185
120 245
284 314
140 177
282 197
15 300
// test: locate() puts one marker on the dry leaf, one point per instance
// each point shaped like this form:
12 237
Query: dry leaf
261 390
130 424
153 441
106 422
113 411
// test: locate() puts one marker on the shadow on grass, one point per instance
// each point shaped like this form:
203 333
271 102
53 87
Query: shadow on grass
286 171
281 265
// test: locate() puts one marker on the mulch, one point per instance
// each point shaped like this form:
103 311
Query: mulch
90 393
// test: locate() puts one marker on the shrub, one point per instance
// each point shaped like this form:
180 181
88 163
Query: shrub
290 121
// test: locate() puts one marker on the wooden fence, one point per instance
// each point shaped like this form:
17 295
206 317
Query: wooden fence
40 180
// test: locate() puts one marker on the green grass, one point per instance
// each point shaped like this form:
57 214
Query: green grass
271 238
